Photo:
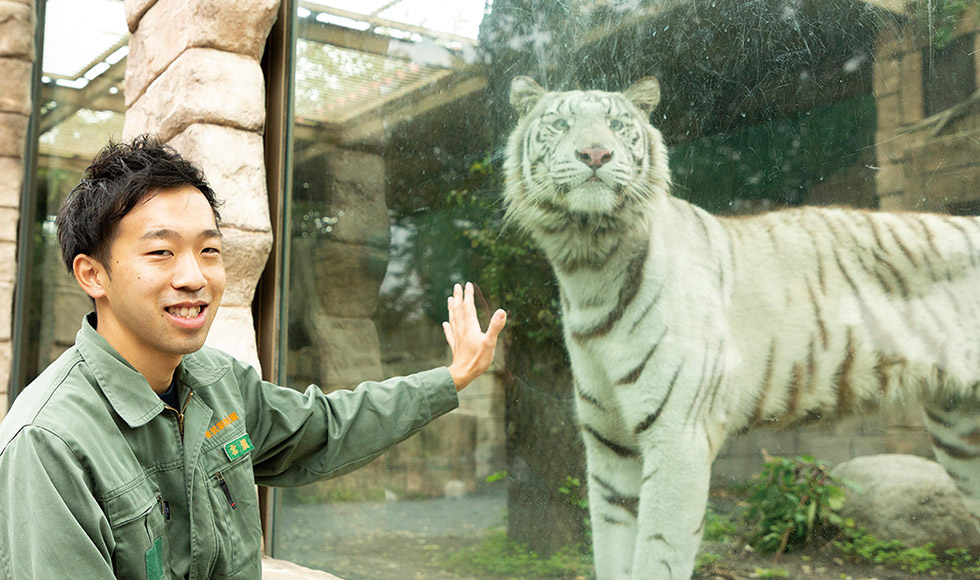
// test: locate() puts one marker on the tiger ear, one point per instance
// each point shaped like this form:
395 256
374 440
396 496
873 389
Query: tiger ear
645 94
524 94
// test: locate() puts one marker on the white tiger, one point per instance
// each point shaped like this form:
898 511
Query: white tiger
683 327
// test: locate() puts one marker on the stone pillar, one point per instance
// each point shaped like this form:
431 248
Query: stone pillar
193 78
16 58
337 270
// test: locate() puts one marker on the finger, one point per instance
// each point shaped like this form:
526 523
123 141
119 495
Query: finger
468 307
447 329
456 303
497 323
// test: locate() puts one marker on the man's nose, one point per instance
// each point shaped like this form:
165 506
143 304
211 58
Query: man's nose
189 274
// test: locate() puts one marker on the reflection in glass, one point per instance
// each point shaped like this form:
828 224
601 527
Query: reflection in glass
81 108
366 284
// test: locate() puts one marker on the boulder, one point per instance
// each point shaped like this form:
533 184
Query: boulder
907 498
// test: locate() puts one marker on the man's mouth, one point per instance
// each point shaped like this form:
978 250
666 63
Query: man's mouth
185 312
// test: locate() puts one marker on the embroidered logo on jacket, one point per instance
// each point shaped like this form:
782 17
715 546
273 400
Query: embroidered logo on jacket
238 447
221 425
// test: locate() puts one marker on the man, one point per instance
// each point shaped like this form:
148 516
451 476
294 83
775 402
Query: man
135 454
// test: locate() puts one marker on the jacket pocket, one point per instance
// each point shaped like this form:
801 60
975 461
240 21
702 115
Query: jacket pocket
137 521
236 517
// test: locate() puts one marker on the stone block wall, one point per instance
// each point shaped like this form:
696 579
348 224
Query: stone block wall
16 65
926 162
193 78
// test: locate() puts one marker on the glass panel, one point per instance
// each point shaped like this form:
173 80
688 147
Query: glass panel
786 109
83 63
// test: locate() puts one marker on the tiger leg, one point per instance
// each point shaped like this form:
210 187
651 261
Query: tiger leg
955 430
673 497
613 486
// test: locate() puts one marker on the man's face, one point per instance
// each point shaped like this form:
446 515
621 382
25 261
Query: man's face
165 279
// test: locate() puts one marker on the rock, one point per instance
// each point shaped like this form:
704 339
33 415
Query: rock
164 30
13 134
234 163
16 30
195 89
907 498
245 254
234 332
16 94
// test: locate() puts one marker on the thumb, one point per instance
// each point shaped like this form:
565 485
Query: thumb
497 323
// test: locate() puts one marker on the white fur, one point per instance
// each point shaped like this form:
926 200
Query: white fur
683 327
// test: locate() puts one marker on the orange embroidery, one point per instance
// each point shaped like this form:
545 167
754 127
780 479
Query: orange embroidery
221 425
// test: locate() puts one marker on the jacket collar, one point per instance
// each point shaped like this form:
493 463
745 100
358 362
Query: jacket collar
127 390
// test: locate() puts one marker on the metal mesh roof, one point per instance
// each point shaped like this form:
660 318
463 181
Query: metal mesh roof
82 134
337 84
79 34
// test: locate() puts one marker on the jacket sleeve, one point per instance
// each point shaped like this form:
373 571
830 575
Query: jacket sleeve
50 524
303 437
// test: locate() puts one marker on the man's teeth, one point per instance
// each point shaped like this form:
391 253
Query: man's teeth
192 312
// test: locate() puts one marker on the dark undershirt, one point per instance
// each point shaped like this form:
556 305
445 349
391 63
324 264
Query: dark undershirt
170 397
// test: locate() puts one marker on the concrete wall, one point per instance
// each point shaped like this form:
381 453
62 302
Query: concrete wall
16 63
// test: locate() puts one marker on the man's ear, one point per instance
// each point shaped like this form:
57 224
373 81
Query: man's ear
90 275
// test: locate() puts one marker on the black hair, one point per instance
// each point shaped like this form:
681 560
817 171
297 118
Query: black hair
121 177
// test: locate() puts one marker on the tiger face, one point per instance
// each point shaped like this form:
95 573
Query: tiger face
583 154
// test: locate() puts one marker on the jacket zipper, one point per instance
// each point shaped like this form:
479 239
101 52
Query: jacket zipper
224 487
180 413
164 507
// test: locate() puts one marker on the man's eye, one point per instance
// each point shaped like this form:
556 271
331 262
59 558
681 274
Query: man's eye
159 252
214 251
616 124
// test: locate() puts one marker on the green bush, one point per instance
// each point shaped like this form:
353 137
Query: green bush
718 527
790 501
858 544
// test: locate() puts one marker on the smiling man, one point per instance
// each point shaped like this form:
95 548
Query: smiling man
136 453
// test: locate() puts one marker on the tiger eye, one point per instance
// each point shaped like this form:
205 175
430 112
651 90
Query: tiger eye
616 124
559 124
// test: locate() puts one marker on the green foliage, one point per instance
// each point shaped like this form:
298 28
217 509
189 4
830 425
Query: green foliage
572 489
718 527
780 159
497 476
706 561
937 19
790 501
861 545
497 556
461 237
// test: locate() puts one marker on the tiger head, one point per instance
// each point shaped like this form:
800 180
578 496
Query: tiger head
583 159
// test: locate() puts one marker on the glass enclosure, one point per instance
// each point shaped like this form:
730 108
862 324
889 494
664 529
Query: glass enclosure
401 118
81 103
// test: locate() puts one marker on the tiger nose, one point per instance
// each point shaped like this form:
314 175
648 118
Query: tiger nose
595 157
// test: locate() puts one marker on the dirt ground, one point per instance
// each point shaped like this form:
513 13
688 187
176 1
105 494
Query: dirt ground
815 565
410 540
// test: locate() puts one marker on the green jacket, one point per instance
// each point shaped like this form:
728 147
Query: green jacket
102 480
